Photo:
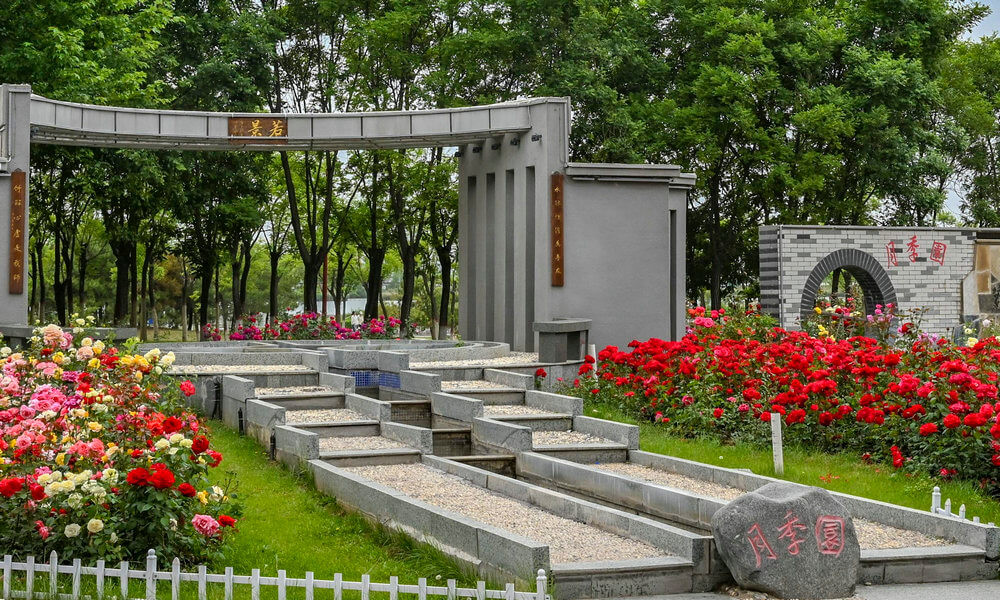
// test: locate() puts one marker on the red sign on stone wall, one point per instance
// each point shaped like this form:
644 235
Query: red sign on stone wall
18 209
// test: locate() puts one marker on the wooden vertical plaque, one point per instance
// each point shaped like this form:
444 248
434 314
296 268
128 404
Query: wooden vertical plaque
556 235
18 193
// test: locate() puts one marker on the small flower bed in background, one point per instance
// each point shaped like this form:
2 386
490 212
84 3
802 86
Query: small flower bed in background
307 326
99 459
919 404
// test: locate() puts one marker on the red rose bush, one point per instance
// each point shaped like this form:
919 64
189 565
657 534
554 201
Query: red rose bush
923 404
99 459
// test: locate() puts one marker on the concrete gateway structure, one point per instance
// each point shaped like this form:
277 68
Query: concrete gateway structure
540 238
954 273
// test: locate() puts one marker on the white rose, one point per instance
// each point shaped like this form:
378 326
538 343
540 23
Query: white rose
81 322
176 438
95 525
111 476
72 530
186 443
161 444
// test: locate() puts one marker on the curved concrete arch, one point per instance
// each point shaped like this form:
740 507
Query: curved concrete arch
512 159
873 279
76 124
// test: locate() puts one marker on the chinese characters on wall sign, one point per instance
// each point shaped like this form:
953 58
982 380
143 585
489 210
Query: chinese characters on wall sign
556 212
937 253
18 194
270 130
829 533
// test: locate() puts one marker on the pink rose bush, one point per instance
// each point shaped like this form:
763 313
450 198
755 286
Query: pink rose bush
99 458
307 326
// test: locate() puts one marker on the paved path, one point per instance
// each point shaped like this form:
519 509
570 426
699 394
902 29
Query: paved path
971 590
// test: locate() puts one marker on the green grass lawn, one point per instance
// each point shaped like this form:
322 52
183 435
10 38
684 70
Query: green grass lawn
287 524
838 472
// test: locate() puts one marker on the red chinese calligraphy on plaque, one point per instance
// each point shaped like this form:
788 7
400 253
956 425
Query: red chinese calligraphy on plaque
18 209
556 212
830 535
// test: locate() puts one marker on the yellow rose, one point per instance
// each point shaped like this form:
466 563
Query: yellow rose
202 496
93 363
95 426
61 459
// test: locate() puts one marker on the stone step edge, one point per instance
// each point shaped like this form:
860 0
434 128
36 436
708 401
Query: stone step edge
532 417
376 452
658 563
466 457
303 396
571 447
910 553
451 430
332 424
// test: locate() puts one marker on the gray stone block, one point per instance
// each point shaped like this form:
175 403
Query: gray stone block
343 383
415 437
509 379
501 435
393 362
370 407
456 407
237 388
292 445
556 403
418 382
616 432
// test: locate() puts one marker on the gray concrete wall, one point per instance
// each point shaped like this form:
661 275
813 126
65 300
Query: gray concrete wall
16 99
625 258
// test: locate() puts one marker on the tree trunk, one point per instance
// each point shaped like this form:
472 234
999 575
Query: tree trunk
245 274
338 285
205 300
122 264
444 258
134 285
57 280
184 301
376 258
272 301
143 333
82 277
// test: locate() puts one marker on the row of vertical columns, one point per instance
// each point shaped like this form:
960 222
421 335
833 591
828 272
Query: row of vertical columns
497 254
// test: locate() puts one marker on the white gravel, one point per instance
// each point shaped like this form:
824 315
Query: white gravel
568 541
372 442
213 369
329 415
562 438
514 358
296 389
871 535
500 410
471 384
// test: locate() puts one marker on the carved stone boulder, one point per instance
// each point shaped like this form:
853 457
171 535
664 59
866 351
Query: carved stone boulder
791 541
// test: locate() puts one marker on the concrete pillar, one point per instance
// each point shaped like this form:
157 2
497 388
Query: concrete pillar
16 104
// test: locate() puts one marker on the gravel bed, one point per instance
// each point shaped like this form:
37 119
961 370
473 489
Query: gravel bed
733 591
472 384
682 482
559 438
513 410
870 535
212 369
295 389
330 415
371 442
568 541
514 358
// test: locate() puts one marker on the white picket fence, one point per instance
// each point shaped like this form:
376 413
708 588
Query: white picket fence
105 577
945 510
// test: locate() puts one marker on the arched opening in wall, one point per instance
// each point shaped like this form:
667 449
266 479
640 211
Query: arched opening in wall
867 278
